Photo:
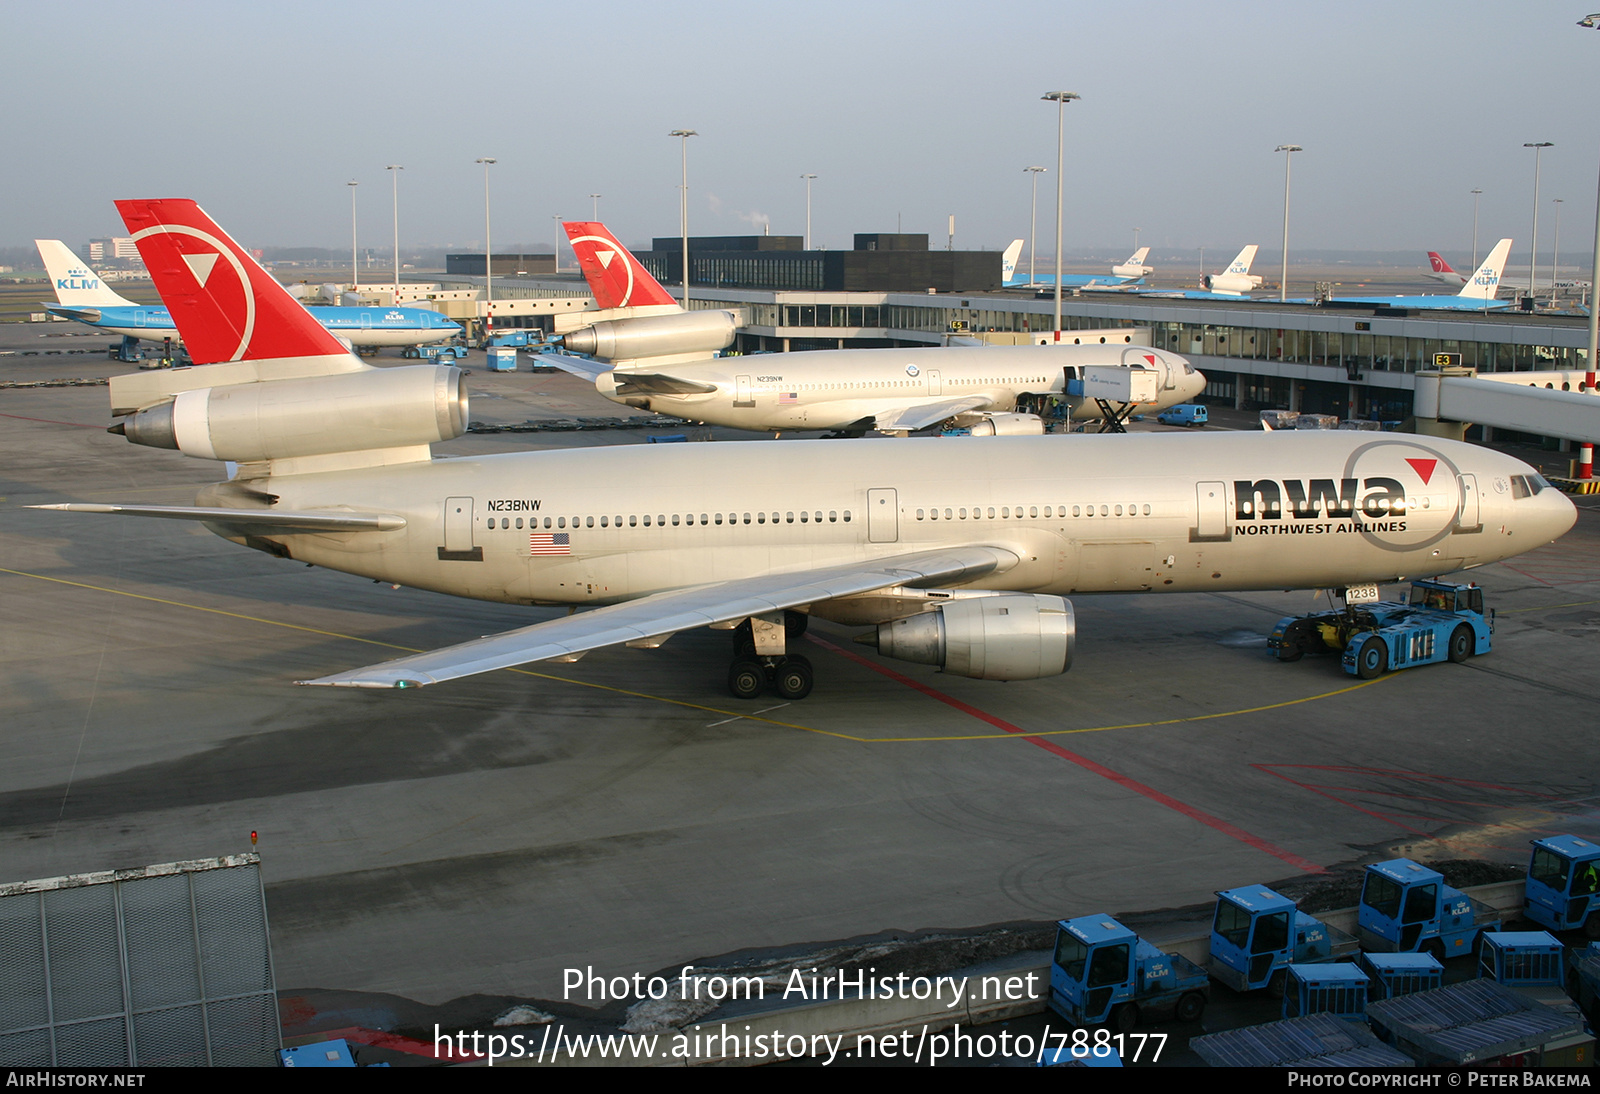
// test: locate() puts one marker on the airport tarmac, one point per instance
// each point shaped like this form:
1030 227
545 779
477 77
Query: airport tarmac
625 813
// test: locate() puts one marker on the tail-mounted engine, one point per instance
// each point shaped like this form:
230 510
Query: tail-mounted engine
655 335
1009 636
313 416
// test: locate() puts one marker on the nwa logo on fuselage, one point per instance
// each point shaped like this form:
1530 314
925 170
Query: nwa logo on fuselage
1377 496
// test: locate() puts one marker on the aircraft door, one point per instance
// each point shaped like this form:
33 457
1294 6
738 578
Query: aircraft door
139 318
1469 519
458 521
1211 510
935 386
366 320
742 396
883 516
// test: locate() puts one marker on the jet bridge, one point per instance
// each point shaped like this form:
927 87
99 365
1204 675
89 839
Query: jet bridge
1529 402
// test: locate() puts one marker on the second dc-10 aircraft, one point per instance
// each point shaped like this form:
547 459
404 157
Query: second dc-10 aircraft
959 555
660 358
83 296
1131 271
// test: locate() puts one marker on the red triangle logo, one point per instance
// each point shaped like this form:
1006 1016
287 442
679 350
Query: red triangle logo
1151 358
1423 468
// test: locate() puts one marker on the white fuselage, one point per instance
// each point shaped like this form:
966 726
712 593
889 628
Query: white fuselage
834 389
1143 512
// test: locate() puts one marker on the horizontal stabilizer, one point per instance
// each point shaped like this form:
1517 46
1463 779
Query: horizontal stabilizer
668 613
260 521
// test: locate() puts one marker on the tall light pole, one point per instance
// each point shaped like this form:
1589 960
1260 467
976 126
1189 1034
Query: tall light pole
1555 255
683 210
1061 99
808 179
1476 194
596 199
1586 451
1033 220
558 220
397 168
488 255
355 264
1288 151
1533 258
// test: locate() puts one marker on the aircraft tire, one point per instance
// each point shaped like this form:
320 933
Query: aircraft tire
746 678
1372 660
1461 644
793 678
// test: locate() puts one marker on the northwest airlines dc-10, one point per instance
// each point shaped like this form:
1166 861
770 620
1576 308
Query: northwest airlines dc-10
660 359
957 553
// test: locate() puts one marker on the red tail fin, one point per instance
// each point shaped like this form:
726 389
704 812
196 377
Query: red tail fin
225 306
1439 264
615 276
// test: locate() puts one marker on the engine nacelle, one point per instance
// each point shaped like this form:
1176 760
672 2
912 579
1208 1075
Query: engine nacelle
655 335
1008 424
314 416
1011 636
1224 282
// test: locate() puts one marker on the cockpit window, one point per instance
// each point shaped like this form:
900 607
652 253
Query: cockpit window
1520 487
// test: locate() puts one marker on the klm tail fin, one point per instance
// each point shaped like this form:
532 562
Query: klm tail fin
615 277
1485 281
1008 262
76 285
1241 263
1137 258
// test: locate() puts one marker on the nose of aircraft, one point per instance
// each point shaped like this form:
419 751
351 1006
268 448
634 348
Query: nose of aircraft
1555 516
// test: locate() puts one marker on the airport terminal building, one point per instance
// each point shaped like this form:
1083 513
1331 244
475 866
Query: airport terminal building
1355 361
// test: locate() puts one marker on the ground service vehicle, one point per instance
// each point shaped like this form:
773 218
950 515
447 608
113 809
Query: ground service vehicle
1438 621
1184 414
1257 933
1337 988
1407 908
1103 973
1563 888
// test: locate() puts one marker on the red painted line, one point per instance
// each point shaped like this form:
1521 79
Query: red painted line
396 1043
50 421
1084 762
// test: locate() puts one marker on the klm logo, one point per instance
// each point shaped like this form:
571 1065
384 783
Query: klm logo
78 279
1486 279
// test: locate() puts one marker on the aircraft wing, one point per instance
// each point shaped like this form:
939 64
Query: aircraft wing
660 616
261 521
585 367
922 415
654 383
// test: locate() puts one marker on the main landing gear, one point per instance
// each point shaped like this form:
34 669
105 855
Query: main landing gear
761 659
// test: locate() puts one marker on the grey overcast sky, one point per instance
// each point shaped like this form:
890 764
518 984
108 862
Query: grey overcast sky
906 112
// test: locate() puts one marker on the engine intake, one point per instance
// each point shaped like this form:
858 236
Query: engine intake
1010 636
1008 423
655 335
317 415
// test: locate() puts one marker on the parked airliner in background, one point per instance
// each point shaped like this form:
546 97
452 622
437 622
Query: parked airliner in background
1441 270
959 555
1232 283
1477 294
1131 272
659 357
83 296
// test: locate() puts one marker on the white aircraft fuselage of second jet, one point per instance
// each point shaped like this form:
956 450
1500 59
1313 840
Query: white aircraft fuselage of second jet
664 361
884 389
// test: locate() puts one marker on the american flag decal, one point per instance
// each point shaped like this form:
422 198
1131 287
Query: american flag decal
786 397
549 543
